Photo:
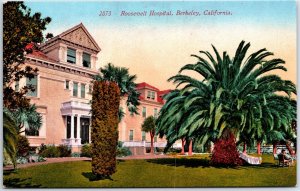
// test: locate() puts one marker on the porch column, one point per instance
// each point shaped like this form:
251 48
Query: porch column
72 130
78 140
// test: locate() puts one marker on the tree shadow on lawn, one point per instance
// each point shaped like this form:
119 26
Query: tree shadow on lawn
19 183
92 177
10 171
204 163
190 163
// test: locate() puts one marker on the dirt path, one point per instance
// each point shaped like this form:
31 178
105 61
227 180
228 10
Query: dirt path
68 159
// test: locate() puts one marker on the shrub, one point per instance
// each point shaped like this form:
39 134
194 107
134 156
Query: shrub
64 151
22 146
225 152
105 109
122 151
86 150
75 154
22 160
42 148
50 152
41 159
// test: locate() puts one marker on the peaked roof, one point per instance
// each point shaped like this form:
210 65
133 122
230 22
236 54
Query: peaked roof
77 32
145 85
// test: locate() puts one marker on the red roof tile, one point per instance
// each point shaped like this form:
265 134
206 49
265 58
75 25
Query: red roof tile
35 53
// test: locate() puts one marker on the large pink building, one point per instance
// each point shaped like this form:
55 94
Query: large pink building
66 65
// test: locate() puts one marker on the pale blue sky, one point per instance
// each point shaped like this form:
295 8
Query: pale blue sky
162 45
68 14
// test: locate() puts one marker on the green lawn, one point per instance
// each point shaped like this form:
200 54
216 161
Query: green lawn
182 172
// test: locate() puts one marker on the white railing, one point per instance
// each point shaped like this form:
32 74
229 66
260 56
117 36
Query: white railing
76 104
145 144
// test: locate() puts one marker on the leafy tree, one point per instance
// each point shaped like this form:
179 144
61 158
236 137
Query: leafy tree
9 137
21 30
231 95
125 82
105 104
149 126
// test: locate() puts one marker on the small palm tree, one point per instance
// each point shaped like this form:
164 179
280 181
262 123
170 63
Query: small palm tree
27 118
126 83
9 136
149 126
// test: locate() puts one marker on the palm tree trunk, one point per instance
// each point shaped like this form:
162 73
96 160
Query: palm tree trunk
191 147
258 147
288 146
274 148
182 145
152 147
245 148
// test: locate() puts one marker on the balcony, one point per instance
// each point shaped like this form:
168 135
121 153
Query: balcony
67 108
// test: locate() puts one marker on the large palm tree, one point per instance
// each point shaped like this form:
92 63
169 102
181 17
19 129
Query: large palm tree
230 95
126 83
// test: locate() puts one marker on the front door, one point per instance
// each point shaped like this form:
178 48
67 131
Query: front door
84 130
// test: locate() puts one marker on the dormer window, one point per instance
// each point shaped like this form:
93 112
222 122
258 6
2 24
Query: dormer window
71 56
151 95
86 60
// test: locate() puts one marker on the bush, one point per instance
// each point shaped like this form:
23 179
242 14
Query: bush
64 151
122 151
22 146
75 154
22 160
42 148
86 150
225 152
50 152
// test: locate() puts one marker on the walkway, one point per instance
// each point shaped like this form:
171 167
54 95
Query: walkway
69 159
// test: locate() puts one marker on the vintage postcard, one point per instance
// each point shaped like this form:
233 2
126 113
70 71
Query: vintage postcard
149 94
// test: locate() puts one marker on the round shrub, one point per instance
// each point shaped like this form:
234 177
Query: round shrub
22 146
50 152
64 151
86 150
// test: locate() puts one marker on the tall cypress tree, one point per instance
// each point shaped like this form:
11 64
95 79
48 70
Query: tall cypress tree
105 107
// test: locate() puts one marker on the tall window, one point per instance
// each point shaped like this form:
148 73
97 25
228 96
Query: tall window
144 112
68 127
90 88
155 112
75 89
82 90
33 83
86 60
155 138
143 136
71 56
31 132
17 84
67 85
75 127
131 135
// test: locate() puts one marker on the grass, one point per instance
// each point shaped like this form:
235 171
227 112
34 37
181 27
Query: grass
182 172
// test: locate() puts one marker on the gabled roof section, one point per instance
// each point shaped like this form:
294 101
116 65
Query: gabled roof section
144 85
79 35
